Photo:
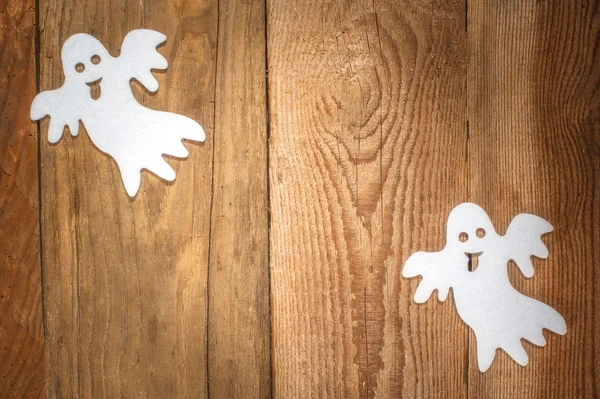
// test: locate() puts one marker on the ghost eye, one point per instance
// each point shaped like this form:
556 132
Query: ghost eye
96 59
463 237
480 232
80 67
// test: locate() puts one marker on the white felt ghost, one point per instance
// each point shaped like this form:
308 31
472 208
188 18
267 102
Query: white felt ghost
135 136
499 315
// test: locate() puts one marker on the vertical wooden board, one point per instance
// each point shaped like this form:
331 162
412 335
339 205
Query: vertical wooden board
367 156
125 279
21 330
534 108
238 329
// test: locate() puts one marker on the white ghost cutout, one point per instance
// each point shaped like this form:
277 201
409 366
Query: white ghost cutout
499 315
135 136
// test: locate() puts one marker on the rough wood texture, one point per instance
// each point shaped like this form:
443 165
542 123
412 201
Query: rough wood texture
125 280
167 295
368 135
534 109
21 331
238 324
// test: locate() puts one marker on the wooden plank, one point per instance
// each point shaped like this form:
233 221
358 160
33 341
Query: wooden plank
21 329
125 280
238 330
534 109
367 157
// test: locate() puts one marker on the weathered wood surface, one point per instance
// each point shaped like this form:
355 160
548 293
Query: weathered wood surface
367 149
21 330
534 111
341 126
238 323
125 281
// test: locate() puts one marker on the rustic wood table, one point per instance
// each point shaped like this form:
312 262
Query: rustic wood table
339 136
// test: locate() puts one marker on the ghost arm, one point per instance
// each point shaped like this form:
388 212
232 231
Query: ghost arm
139 56
58 104
524 240
429 265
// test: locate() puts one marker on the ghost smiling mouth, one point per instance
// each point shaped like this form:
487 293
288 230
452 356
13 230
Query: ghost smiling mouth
95 89
473 260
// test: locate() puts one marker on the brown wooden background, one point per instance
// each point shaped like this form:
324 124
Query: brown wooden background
340 135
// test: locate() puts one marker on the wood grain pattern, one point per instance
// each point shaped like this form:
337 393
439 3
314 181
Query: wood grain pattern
125 281
238 324
367 149
21 330
534 109
353 163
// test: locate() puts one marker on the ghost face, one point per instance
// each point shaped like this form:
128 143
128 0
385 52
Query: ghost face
84 59
470 229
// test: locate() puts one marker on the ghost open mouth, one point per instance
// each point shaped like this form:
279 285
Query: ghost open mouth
473 260
95 90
